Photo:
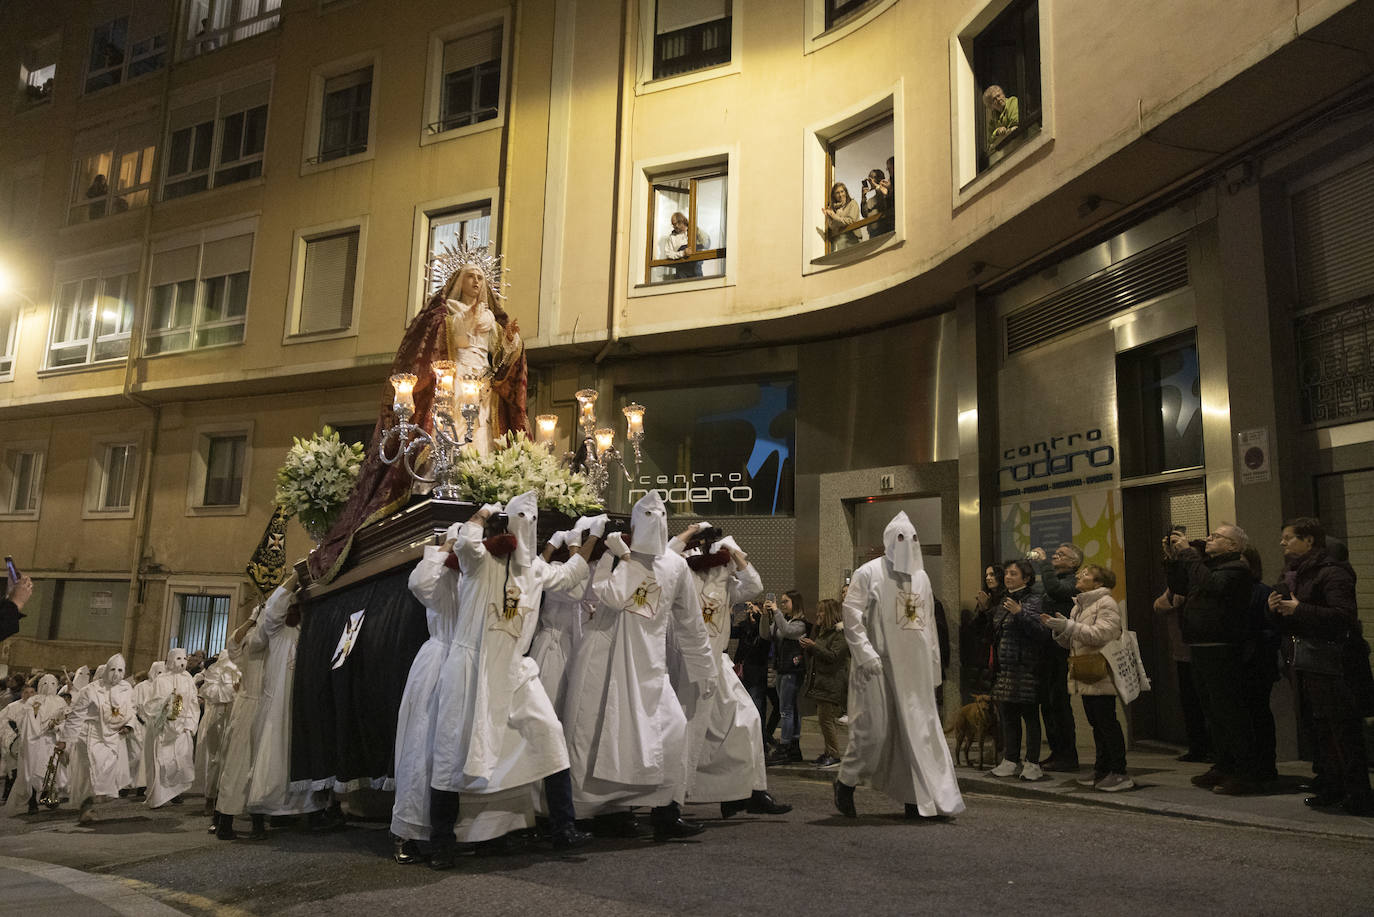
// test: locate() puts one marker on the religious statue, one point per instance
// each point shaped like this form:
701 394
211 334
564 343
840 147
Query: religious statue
464 321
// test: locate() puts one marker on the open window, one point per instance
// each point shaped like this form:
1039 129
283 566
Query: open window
860 186
127 46
38 70
687 225
113 173
465 88
208 25
691 35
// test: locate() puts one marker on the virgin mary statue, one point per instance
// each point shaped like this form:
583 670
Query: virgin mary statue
464 322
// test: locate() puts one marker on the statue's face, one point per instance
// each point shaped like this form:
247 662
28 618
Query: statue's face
176 661
470 284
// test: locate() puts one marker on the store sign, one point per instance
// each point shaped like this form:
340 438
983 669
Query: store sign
701 488
1061 461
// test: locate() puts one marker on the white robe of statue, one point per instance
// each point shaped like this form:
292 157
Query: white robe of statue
240 734
270 791
169 754
217 693
627 733
724 735
138 727
97 755
43 714
496 730
896 742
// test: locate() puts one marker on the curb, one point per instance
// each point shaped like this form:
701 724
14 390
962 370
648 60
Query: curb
1131 801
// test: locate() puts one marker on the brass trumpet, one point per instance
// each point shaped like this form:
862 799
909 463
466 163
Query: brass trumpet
48 795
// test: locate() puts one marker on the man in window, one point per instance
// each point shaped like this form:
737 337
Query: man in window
1003 115
674 246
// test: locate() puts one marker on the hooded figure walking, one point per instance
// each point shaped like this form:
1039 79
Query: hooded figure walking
896 743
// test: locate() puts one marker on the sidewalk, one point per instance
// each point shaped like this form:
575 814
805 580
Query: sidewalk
1162 788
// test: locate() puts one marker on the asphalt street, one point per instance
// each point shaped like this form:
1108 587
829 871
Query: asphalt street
1004 855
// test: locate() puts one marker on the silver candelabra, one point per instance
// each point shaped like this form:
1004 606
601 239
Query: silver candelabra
452 402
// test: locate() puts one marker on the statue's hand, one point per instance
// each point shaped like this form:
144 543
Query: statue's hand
512 329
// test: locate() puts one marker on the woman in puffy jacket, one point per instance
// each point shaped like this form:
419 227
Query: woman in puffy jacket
1020 640
1095 622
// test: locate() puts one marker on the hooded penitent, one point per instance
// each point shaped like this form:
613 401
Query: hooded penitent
901 547
81 678
522 521
47 685
176 661
114 670
649 525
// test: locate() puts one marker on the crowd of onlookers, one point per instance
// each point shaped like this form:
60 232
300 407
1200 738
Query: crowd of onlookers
1041 624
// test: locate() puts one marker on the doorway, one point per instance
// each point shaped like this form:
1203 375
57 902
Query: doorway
871 516
1149 512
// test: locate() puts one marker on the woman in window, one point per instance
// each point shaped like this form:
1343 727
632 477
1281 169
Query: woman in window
842 211
674 246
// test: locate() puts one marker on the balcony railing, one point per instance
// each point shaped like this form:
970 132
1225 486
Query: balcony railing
695 47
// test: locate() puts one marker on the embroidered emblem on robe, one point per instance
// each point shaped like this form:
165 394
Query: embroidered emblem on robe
510 616
910 613
711 613
644 600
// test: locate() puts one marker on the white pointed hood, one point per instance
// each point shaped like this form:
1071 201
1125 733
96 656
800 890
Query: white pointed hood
99 675
649 525
114 670
81 678
522 521
156 669
901 547
47 685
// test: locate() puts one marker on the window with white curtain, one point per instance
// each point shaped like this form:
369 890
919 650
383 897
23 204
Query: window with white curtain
91 320
112 172
208 25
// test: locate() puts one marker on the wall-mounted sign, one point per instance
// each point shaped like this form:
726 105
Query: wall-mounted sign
1055 463
1252 455
101 602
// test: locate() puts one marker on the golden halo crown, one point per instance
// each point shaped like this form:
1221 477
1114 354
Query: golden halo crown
451 259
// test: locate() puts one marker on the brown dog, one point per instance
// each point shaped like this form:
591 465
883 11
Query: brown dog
974 723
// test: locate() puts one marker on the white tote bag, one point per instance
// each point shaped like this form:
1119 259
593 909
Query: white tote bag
1127 668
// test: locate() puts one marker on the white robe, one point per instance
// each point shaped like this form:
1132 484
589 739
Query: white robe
98 758
240 735
37 738
217 692
270 791
561 620
495 731
724 734
169 755
896 742
627 733
11 718
137 735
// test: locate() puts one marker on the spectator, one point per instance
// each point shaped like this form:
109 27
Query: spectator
1058 579
842 211
788 626
11 608
97 194
877 202
1217 630
1003 116
1262 667
674 246
1194 722
827 677
976 635
14 689
1020 649
1094 622
751 657
1316 602
942 643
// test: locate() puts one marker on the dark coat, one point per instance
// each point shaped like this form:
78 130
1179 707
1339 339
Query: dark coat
1325 590
827 668
9 619
1218 596
1021 644
751 652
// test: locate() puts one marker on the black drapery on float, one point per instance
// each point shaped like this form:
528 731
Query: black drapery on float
344 719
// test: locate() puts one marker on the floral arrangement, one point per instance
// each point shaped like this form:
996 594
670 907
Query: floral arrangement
317 478
515 465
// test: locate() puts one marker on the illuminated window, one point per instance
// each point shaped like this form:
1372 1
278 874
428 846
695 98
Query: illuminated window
687 223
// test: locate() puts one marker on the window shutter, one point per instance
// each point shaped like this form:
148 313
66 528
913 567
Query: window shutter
679 14
327 288
227 256
471 50
175 265
1333 243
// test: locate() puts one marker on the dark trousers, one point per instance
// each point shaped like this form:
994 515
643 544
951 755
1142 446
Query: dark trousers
1108 738
770 725
443 807
1257 690
1338 746
1221 681
1056 707
1194 720
1011 716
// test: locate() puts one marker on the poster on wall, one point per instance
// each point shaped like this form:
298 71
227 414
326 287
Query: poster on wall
718 450
1092 520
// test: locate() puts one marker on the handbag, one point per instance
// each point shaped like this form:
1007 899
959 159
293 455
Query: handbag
1126 667
1089 668
1318 657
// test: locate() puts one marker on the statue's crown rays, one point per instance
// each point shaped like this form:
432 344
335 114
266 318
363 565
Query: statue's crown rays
450 259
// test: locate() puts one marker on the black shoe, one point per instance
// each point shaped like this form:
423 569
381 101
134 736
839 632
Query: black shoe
825 761
123 794
761 803
566 837
443 856
844 800
733 807
33 805
676 829
497 846
1208 780
176 800
224 827
259 832
406 852
1064 766
1322 800
1239 786
1193 757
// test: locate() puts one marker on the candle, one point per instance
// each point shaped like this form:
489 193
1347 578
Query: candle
403 403
545 426
605 438
586 400
444 371
634 419
470 388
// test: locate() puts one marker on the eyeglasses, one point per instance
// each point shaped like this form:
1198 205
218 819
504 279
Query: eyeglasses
1216 535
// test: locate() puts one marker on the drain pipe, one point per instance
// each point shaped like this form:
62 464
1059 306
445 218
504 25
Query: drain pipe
622 114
